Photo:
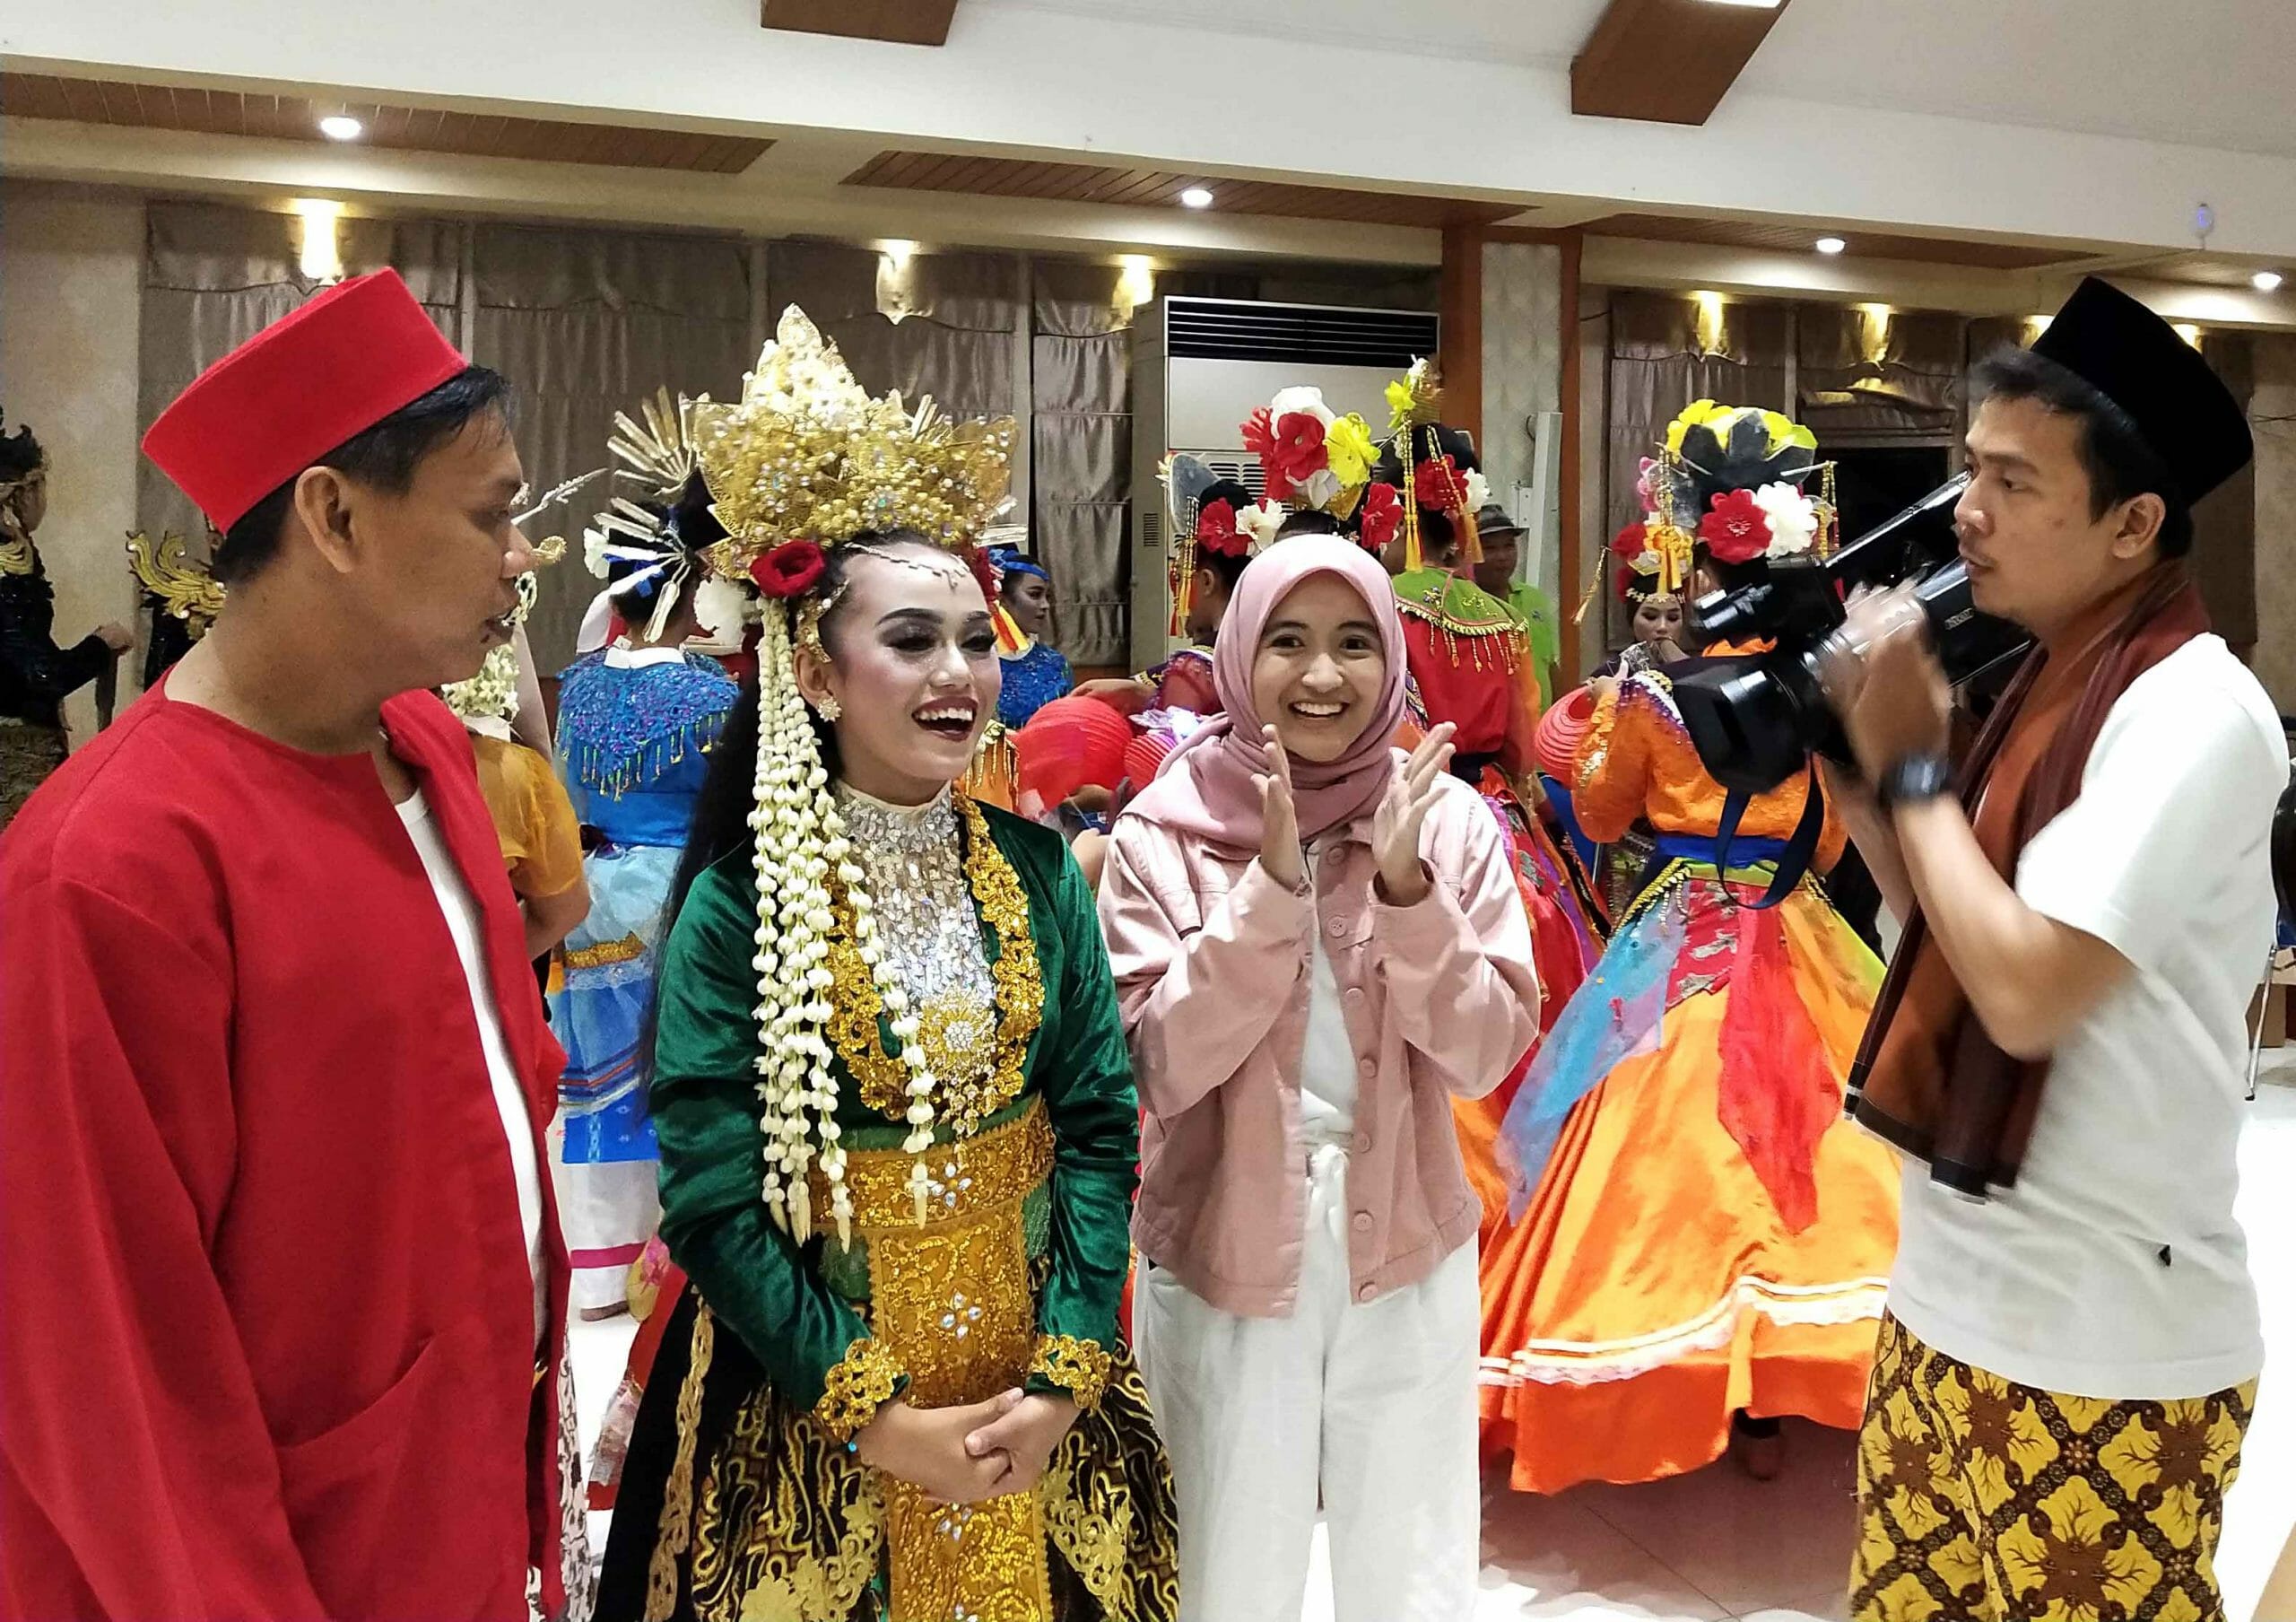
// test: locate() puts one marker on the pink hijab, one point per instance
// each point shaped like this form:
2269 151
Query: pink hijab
1208 786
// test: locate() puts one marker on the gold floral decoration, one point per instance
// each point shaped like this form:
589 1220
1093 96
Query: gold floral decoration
861 1383
1078 1367
184 587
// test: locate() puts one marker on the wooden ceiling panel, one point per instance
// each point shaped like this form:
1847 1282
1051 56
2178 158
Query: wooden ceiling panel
255 113
1800 239
1666 61
1149 187
897 21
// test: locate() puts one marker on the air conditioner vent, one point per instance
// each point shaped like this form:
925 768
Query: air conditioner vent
1228 329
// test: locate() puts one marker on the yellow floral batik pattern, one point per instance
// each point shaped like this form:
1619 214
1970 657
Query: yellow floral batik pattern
1983 1499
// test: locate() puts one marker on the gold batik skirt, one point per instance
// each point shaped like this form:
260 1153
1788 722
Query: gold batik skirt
772 1520
29 751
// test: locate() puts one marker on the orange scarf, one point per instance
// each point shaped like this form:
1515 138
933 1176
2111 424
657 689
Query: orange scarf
1927 1077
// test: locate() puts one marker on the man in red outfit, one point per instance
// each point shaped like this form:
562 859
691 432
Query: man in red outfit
272 1096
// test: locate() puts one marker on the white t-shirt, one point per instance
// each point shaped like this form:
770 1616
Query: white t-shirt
2114 1268
510 1099
1327 1079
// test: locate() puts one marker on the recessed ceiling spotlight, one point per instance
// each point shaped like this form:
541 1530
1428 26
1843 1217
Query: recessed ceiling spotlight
1830 244
1196 196
341 127
2266 280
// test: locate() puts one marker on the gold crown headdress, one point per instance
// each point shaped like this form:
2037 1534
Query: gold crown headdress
807 460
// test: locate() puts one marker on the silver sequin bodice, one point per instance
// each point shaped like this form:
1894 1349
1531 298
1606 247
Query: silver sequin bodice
913 868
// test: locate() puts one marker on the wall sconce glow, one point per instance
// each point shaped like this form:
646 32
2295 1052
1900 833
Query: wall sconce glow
341 127
897 299
2266 280
2189 332
1757 5
2037 325
321 257
1830 244
1137 285
1196 196
1874 334
1711 306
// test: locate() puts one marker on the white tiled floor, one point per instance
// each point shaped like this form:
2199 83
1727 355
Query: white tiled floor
1714 1545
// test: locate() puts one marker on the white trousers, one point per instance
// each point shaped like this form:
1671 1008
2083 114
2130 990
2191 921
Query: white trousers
1372 1404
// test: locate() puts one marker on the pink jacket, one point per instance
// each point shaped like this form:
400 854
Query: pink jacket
1211 958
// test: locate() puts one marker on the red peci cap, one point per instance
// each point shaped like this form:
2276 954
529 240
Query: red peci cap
296 390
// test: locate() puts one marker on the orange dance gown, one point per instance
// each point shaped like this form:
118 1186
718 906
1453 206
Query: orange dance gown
1471 665
1704 1230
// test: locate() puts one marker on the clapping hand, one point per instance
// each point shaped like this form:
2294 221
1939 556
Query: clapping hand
1279 837
1395 827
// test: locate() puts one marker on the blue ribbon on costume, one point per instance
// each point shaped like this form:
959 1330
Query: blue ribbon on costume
1744 852
1615 1014
1011 562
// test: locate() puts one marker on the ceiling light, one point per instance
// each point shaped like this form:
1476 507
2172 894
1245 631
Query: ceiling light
1759 5
2266 280
1830 244
1196 196
341 127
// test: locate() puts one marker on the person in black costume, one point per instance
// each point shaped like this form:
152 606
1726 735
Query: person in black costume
36 676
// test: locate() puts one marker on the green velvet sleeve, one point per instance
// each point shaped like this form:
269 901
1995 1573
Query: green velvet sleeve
754 1278
1084 1069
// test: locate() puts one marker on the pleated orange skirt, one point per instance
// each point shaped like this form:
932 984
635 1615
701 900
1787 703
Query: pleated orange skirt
1651 1288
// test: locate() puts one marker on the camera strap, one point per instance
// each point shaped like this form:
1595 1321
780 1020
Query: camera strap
1800 849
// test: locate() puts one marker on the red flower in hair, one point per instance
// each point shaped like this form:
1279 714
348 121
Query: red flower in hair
984 570
1438 485
1631 542
1290 447
1734 531
790 570
1382 517
1216 531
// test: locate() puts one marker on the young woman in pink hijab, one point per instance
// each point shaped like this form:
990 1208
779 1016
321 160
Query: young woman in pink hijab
1318 943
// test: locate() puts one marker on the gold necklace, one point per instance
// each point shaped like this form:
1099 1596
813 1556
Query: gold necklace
977 1076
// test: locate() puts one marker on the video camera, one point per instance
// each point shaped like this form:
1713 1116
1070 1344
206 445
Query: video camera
1756 719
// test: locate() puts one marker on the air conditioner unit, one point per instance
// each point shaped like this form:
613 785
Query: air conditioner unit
1201 366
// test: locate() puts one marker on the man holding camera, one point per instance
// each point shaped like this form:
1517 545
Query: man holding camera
2065 1375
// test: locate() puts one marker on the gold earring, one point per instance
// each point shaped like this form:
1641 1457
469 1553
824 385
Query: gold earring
829 710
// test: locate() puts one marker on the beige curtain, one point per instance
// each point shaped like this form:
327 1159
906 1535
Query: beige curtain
586 324
1080 460
1898 379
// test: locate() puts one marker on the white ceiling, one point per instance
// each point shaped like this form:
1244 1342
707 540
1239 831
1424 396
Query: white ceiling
2200 72
1500 30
